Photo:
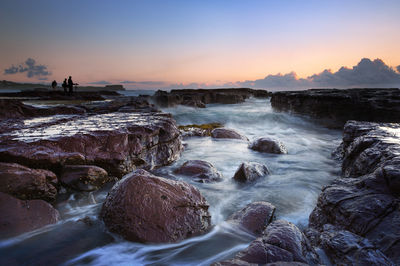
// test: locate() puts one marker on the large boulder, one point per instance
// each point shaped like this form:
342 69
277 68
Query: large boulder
281 243
199 171
225 133
250 171
268 145
254 217
26 183
20 216
84 177
150 209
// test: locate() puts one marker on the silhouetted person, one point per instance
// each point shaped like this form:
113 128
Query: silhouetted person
71 85
54 84
65 85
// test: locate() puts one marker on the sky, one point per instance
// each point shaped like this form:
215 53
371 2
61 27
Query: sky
182 43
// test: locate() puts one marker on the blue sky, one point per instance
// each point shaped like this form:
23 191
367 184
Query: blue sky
210 42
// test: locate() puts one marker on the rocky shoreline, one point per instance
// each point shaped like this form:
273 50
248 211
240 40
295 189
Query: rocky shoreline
83 147
334 107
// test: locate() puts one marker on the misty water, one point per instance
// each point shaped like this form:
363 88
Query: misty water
293 187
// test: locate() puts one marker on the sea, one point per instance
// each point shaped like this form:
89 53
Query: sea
293 186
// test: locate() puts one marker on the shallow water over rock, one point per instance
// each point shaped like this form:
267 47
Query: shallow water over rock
293 186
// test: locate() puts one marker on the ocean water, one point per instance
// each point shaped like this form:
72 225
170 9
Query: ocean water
293 187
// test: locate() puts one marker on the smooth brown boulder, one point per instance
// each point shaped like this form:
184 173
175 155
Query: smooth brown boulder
254 217
250 171
145 208
225 133
200 171
26 183
83 177
20 216
268 145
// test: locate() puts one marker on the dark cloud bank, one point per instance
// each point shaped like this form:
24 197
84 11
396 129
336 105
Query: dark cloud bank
30 68
366 73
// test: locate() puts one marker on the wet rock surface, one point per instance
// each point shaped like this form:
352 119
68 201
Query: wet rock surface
150 209
201 97
250 171
254 217
280 242
20 216
26 183
226 133
203 130
118 142
334 107
362 209
199 171
268 145
83 177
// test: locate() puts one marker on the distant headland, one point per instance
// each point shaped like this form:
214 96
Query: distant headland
10 85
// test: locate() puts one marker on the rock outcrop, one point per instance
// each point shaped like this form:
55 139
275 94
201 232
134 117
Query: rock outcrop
27 184
118 142
250 171
268 145
254 217
226 133
146 208
20 216
201 97
334 107
361 210
199 171
281 242
83 177
203 130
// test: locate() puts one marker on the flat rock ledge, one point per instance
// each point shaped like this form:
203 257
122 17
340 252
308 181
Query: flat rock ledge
357 218
118 142
333 107
201 97
145 208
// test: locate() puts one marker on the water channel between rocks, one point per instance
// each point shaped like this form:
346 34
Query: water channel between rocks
293 187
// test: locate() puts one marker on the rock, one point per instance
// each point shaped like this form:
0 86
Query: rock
194 130
250 171
20 216
347 248
233 262
254 217
84 177
225 133
117 142
282 242
15 109
25 183
199 171
334 107
201 97
268 145
362 207
150 209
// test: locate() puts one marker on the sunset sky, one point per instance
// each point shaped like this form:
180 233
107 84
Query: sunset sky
151 44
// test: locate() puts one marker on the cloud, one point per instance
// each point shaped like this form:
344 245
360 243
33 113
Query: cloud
30 68
101 82
366 73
